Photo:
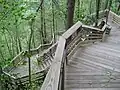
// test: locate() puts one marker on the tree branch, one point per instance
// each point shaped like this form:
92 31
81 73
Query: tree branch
40 5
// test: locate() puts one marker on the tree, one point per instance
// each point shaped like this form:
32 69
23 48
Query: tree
118 6
97 11
30 39
106 4
110 4
70 12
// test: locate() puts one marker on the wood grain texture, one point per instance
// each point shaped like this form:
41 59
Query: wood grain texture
96 66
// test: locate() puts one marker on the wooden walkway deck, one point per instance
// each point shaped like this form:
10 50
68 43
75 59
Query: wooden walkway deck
96 66
77 61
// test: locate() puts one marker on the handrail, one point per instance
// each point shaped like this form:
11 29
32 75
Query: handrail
114 17
69 41
52 78
21 55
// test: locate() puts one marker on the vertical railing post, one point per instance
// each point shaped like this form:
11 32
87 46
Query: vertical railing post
62 83
1 77
63 71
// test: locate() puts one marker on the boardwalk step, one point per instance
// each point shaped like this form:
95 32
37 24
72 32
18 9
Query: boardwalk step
92 89
113 63
95 85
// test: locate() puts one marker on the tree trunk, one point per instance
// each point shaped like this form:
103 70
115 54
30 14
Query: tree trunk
118 7
90 9
2 55
7 43
110 4
53 21
106 4
45 32
29 51
97 11
70 12
78 12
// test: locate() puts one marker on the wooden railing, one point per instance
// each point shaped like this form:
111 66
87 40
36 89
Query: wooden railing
114 18
23 55
62 51
68 43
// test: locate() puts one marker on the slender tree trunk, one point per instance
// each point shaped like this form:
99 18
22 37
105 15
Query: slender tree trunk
29 52
90 9
45 33
44 21
118 7
106 4
53 20
12 42
1 54
42 24
70 12
110 4
56 28
9 50
97 11
18 42
78 13
33 40
51 32
20 46
1 77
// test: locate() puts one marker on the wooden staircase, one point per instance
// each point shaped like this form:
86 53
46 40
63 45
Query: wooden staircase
96 66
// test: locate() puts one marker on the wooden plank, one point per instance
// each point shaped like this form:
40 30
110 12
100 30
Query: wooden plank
72 30
52 79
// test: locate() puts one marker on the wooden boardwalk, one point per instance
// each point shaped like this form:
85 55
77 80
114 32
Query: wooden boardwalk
96 66
77 61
